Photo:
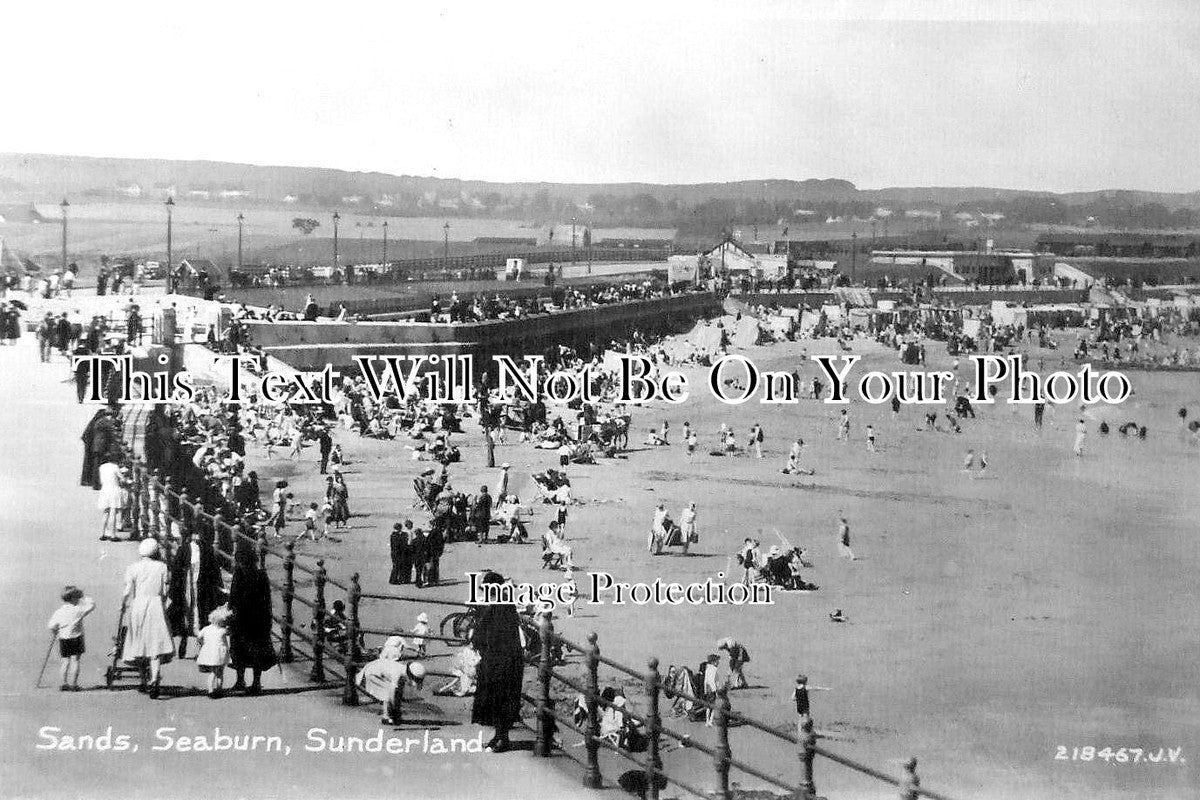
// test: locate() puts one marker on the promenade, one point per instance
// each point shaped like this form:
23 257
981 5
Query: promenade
49 525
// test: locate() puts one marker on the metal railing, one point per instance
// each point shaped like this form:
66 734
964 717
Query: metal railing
160 511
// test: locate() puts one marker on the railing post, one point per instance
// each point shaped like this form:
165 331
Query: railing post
808 753
591 777
350 694
721 760
318 668
137 501
185 513
653 760
910 781
289 591
545 740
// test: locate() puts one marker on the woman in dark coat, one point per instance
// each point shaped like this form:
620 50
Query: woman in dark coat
195 588
401 557
250 645
100 444
338 495
499 674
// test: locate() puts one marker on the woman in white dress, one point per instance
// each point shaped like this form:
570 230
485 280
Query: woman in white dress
110 500
147 638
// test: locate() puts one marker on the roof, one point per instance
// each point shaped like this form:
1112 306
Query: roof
198 264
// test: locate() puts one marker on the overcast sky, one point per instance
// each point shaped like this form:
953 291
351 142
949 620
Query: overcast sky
1084 95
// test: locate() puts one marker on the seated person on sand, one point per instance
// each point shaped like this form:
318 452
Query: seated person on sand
462 672
653 438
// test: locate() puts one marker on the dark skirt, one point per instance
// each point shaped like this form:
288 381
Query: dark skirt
498 689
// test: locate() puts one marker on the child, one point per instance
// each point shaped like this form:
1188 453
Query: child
310 521
214 650
871 440
691 443
843 427
573 590
335 456
279 500
420 630
800 698
67 626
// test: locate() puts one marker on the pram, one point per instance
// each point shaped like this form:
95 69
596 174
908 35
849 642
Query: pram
118 669
548 483
671 535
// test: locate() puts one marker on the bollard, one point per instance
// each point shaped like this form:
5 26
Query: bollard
808 754
591 777
910 781
289 591
653 760
545 723
318 668
353 595
721 717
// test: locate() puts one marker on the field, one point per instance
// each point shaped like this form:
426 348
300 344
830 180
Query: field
992 618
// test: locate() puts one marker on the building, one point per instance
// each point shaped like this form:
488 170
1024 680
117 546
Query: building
1121 245
736 259
991 267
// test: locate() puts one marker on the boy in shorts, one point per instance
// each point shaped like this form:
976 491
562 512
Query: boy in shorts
67 626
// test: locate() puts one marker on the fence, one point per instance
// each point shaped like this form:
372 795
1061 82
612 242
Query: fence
158 510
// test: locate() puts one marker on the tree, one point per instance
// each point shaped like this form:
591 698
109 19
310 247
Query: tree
305 225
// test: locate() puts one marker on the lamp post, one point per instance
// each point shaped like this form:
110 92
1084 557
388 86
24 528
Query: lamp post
853 255
336 217
446 240
64 205
385 244
573 258
170 204
241 220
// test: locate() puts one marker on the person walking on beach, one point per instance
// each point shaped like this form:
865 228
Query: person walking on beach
844 540
1080 435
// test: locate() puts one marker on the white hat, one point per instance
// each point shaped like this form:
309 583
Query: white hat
505 465
416 671
147 548
422 617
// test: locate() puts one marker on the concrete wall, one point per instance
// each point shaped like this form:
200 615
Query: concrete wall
310 345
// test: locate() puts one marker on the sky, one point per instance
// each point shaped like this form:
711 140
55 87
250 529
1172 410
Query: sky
1020 94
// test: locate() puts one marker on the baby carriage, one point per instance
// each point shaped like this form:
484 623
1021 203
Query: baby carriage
118 668
549 482
670 535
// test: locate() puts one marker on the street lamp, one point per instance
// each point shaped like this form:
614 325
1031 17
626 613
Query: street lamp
336 217
170 204
385 244
573 259
853 255
241 219
446 240
64 205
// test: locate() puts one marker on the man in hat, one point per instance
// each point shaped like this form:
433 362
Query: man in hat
419 552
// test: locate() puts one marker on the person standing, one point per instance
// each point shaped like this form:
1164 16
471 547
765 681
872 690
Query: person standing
418 549
401 555
502 482
800 698
844 426
844 540
709 680
147 638
66 625
194 590
738 658
481 515
687 526
250 646
435 545
325 441
1039 411
497 638
1080 435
